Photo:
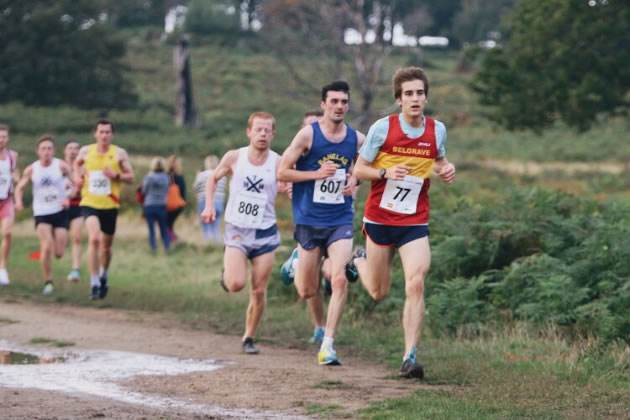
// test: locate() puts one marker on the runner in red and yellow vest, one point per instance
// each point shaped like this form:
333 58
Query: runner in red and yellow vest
399 155
99 191
419 154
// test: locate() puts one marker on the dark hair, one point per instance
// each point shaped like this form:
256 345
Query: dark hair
313 113
45 137
407 74
336 86
67 142
4 127
104 122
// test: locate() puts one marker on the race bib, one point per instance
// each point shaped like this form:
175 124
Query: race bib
330 190
99 184
250 209
48 198
402 196
5 185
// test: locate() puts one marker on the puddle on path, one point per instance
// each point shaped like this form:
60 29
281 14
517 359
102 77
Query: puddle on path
18 358
99 373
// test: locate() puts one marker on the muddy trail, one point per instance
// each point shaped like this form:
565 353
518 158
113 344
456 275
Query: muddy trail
132 365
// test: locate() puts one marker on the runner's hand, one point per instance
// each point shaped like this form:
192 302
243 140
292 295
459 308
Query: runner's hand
19 206
447 173
326 170
109 172
351 183
397 173
65 203
209 214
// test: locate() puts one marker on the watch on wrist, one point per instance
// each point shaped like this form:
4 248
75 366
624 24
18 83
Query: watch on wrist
382 173
118 177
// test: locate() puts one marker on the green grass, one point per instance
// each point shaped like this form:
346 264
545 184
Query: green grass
51 342
511 373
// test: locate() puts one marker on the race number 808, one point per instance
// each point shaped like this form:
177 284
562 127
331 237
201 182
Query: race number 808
248 208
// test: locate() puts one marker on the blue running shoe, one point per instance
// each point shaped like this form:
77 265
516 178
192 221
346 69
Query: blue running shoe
95 293
352 274
286 271
318 336
328 357
74 275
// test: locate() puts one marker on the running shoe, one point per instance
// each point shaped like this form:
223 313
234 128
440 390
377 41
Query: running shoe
318 336
74 275
249 347
4 277
104 288
411 369
286 271
95 293
328 357
352 274
48 288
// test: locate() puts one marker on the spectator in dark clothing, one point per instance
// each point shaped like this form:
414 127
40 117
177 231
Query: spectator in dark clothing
154 189
174 169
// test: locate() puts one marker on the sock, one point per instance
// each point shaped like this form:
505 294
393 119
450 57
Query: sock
411 354
95 281
327 343
294 266
102 272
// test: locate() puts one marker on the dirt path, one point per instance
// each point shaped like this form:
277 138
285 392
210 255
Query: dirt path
280 381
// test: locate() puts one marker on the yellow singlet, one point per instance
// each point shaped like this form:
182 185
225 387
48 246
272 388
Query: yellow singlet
98 191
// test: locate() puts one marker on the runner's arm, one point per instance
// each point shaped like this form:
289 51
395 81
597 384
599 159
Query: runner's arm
15 175
283 187
19 189
352 182
78 167
208 215
363 171
300 144
127 176
444 169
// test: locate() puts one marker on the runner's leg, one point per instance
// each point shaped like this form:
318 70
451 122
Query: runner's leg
7 234
339 253
93 227
261 270
60 241
416 259
46 246
76 228
307 273
234 269
375 270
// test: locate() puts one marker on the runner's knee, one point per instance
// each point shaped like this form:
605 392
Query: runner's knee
307 292
7 234
415 285
259 295
339 284
94 240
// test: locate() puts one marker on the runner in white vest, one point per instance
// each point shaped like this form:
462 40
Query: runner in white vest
48 175
8 175
250 228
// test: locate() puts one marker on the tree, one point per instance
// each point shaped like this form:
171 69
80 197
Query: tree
61 52
561 60
294 28
477 18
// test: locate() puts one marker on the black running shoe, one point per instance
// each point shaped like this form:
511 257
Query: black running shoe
352 274
248 346
411 369
95 293
104 288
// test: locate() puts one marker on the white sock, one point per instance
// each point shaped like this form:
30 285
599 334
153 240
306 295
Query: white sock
294 265
95 281
102 272
327 343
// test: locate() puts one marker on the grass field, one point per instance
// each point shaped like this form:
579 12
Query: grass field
513 370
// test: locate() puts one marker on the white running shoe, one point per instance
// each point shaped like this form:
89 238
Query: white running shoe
48 289
4 277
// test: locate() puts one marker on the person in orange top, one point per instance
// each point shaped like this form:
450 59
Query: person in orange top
398 156
98 170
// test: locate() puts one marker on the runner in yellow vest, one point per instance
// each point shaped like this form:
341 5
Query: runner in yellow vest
99 169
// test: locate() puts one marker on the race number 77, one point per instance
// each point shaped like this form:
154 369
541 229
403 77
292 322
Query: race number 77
400 191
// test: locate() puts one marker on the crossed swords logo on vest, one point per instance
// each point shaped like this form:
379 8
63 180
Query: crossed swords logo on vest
254 184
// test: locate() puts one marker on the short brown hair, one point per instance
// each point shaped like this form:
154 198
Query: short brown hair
45 137
262 115
104 122
314 113
4 127
407 74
